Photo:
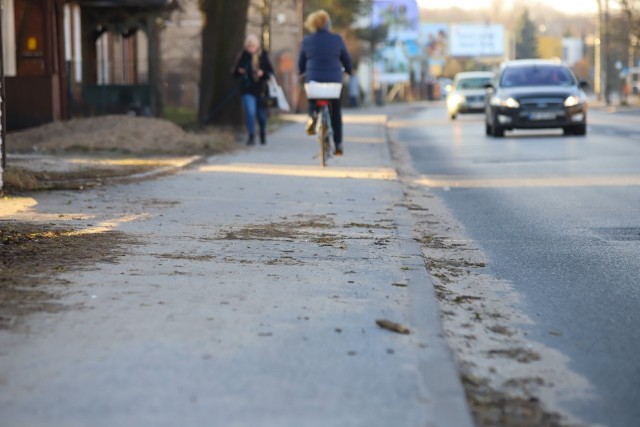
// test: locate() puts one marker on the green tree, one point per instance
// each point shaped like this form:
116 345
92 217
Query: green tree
372 35
526 37
222 38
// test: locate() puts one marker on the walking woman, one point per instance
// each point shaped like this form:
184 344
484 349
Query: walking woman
253 68
324 58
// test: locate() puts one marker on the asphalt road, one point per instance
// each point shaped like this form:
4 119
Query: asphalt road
559 217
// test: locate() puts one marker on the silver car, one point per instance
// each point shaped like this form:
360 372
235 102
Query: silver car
468 92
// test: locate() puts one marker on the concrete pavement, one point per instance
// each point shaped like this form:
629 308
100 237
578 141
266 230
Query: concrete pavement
249 298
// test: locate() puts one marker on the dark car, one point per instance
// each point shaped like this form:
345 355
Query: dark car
535 94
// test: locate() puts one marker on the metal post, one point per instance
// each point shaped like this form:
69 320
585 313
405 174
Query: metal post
605 53
628 78
298 92
3 110
597 66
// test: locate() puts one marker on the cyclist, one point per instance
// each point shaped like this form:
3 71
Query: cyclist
323 58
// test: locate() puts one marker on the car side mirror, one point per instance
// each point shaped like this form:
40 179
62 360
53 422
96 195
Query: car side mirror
488 86
583 84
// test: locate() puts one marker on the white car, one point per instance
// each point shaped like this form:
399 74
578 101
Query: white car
468 92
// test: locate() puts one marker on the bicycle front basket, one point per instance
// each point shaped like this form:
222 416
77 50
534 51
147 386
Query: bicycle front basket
317 90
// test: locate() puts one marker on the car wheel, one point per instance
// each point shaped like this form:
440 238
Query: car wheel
487 129
567 130
497 131
453 116
580 130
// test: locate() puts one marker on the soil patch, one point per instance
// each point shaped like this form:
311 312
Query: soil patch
287 231
33 255
509 379
21 179
118 133
492 408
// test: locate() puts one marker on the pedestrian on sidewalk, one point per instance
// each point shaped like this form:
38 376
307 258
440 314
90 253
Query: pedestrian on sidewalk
254 68
354 90
323 58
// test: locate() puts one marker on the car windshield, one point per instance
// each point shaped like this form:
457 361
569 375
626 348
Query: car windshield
537 76
473 83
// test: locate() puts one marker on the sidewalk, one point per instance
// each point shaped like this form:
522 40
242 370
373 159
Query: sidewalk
249 298
614 106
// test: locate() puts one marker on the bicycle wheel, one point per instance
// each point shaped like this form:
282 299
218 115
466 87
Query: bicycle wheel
324 140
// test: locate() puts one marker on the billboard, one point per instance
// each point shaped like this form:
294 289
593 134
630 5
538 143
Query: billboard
397 15
393 59
476 40
434 41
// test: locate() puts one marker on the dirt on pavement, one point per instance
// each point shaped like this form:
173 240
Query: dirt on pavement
33 255
86 152
509 380
118 134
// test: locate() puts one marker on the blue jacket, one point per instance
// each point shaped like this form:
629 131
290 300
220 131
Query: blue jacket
324 57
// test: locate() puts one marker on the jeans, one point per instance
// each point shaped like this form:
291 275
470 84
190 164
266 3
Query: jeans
336 117
254 110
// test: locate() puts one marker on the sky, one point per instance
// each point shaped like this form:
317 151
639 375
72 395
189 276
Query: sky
569 6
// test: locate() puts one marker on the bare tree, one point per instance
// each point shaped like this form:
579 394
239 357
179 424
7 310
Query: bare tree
631 11
631 15
222 38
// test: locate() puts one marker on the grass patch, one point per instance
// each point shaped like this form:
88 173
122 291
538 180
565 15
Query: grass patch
17 179
184 117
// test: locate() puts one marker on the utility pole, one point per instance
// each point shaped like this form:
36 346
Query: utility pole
627 81
3 109
299 96
605 55
601 65
597 66
266 7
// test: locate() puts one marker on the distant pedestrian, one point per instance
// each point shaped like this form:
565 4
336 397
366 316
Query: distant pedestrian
253 68
354 90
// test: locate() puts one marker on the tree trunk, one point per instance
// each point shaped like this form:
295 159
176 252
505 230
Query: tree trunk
222 39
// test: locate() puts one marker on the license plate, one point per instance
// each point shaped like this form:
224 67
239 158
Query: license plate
543 115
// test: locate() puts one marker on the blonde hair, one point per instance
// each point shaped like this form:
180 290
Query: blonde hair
318 20
251 39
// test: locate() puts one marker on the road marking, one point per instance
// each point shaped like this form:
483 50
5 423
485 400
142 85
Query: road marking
363 119
109 225
386 174
533 182
13 205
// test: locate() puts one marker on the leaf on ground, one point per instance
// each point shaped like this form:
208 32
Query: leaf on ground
393 326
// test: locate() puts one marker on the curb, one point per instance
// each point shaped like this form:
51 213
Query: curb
440 375
114 180
441 378
156 173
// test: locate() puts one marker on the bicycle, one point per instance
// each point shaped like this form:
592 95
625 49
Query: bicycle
322 93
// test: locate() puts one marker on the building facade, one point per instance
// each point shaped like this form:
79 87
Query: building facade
277 22
33 55
68 58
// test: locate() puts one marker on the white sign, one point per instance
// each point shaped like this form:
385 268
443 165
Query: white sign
473 40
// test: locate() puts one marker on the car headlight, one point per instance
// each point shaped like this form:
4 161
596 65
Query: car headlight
572 101
456 99
508 103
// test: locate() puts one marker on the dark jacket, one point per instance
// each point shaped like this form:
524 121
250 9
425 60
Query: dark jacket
249 84
324 57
